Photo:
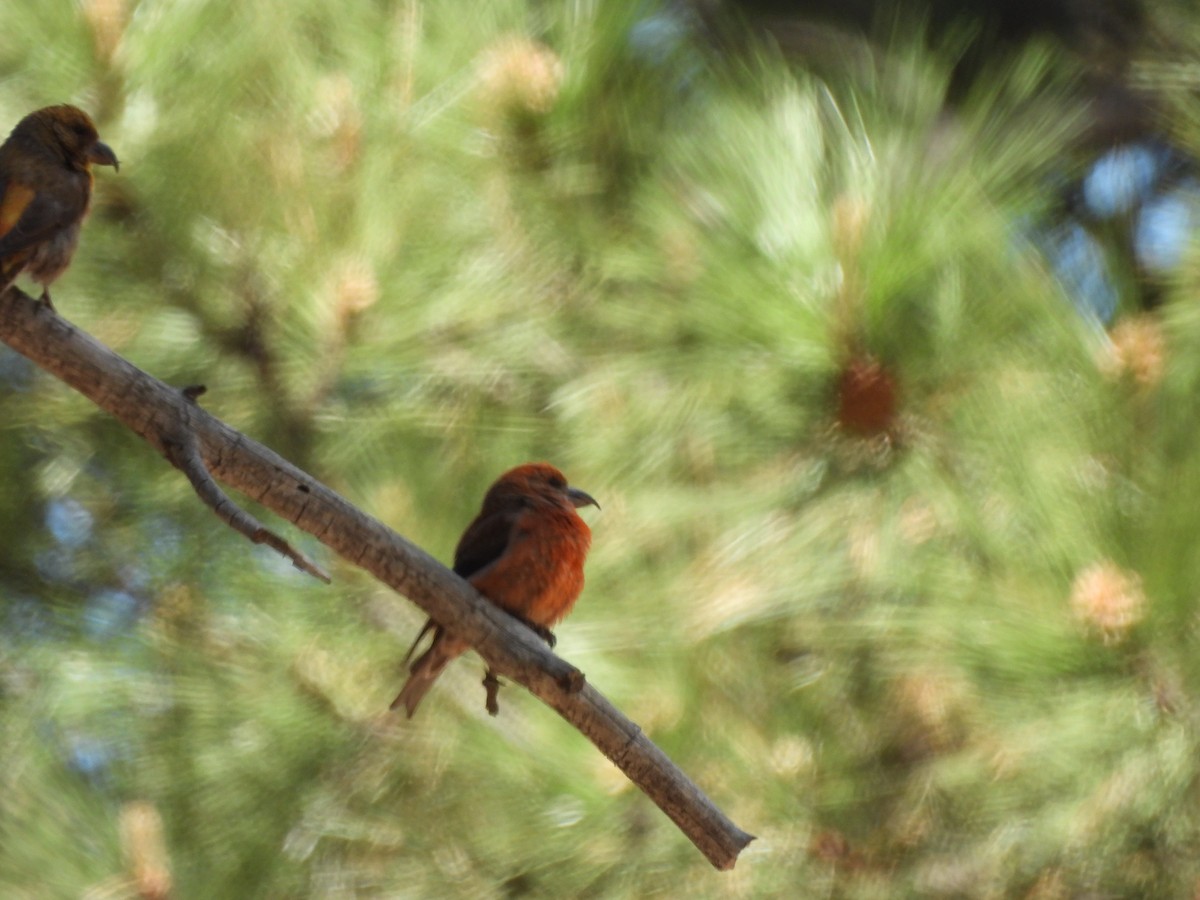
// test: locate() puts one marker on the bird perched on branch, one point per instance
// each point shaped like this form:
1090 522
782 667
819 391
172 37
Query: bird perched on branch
45 191
525 553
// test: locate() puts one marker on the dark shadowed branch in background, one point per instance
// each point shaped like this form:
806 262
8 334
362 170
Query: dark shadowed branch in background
161 414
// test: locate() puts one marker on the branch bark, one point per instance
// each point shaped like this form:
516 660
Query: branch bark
154 410
181 451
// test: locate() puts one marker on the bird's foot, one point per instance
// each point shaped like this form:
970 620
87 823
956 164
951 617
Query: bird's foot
491 684
543 632
540 630
46 301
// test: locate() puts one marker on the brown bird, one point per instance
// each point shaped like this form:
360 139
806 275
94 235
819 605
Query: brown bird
524 552
45 191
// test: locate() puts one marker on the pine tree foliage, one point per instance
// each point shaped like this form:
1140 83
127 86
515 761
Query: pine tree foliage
895 550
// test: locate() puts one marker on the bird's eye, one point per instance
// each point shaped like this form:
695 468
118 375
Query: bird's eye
558 482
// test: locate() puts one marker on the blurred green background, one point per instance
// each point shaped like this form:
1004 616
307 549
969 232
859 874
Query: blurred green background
896 550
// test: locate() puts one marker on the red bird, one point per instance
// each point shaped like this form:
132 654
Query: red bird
45 191
524 552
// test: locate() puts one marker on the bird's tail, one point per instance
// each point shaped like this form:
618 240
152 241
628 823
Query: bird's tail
426 669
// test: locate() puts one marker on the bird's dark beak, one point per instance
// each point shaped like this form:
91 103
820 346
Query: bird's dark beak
580 498
102 155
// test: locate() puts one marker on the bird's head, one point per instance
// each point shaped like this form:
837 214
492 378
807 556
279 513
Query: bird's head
533 482
68 132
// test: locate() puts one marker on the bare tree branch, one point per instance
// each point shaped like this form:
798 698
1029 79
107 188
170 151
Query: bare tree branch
153 410
181 452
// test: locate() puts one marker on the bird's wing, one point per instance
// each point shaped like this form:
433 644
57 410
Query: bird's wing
485 541
29 216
